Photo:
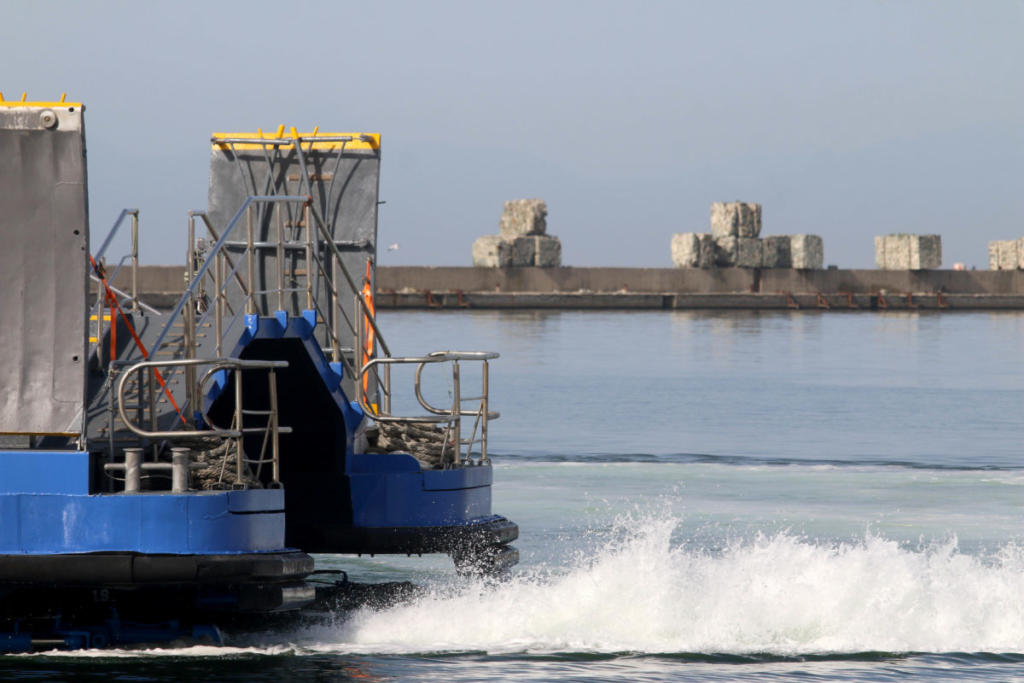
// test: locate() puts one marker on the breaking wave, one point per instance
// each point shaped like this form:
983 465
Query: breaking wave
641 592
777 595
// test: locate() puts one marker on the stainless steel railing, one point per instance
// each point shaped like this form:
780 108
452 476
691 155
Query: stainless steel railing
279 219
271 430
223 270
103 311
451 416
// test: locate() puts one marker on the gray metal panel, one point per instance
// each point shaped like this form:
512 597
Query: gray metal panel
344 187
45 242
350 210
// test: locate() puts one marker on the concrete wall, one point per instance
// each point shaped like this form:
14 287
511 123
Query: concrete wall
627 287
676 280
153 279
562 279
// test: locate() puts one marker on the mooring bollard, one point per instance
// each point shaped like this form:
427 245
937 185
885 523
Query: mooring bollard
181 466
132 470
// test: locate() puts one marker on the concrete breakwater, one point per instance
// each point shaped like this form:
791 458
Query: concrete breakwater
444 287
675 288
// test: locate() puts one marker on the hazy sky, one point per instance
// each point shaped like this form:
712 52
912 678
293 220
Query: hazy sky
845 119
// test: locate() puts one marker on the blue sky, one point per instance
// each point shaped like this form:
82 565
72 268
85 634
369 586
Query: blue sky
845 119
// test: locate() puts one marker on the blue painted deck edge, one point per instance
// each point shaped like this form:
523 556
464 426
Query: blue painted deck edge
390 490
63 472
215 522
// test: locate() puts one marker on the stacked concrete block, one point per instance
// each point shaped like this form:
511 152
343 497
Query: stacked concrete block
1009 255
735 242
926 252
903 251
523 217
491 251
880 252
547 251
524 251
521 241
738 252
775 252
807 252
726 251
749 253
736 227
693 250
993 254
1006 254
735 219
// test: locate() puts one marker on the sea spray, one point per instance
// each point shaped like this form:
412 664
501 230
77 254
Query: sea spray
643 591
775 594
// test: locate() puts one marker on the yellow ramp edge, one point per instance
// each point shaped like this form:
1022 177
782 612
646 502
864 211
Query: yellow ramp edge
359 141
24 102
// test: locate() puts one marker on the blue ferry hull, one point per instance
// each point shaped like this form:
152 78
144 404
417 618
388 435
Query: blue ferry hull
150 481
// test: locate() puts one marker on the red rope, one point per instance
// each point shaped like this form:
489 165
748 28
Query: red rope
114 305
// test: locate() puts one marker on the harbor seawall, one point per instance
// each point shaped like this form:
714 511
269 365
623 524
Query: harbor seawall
451 287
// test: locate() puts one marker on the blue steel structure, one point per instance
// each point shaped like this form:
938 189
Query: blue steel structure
164 474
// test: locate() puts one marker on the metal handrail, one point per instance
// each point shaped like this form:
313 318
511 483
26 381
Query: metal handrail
297 140
456 356
322 268
123 294
218 363
325 268
133 255
197 277
382 414
324 263
213 231
134 213
453 416
238 430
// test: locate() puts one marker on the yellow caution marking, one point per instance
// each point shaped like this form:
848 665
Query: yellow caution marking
24 102
359 141
92 319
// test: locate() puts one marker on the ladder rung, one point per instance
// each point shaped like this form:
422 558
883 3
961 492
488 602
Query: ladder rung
261 430
286 290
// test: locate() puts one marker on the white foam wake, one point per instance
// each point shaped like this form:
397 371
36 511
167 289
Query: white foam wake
782 595
198 651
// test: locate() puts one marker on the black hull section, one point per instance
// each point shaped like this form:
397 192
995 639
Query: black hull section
101 599
492 531
132 569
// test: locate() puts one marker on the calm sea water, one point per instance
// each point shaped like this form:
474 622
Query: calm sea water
701 496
